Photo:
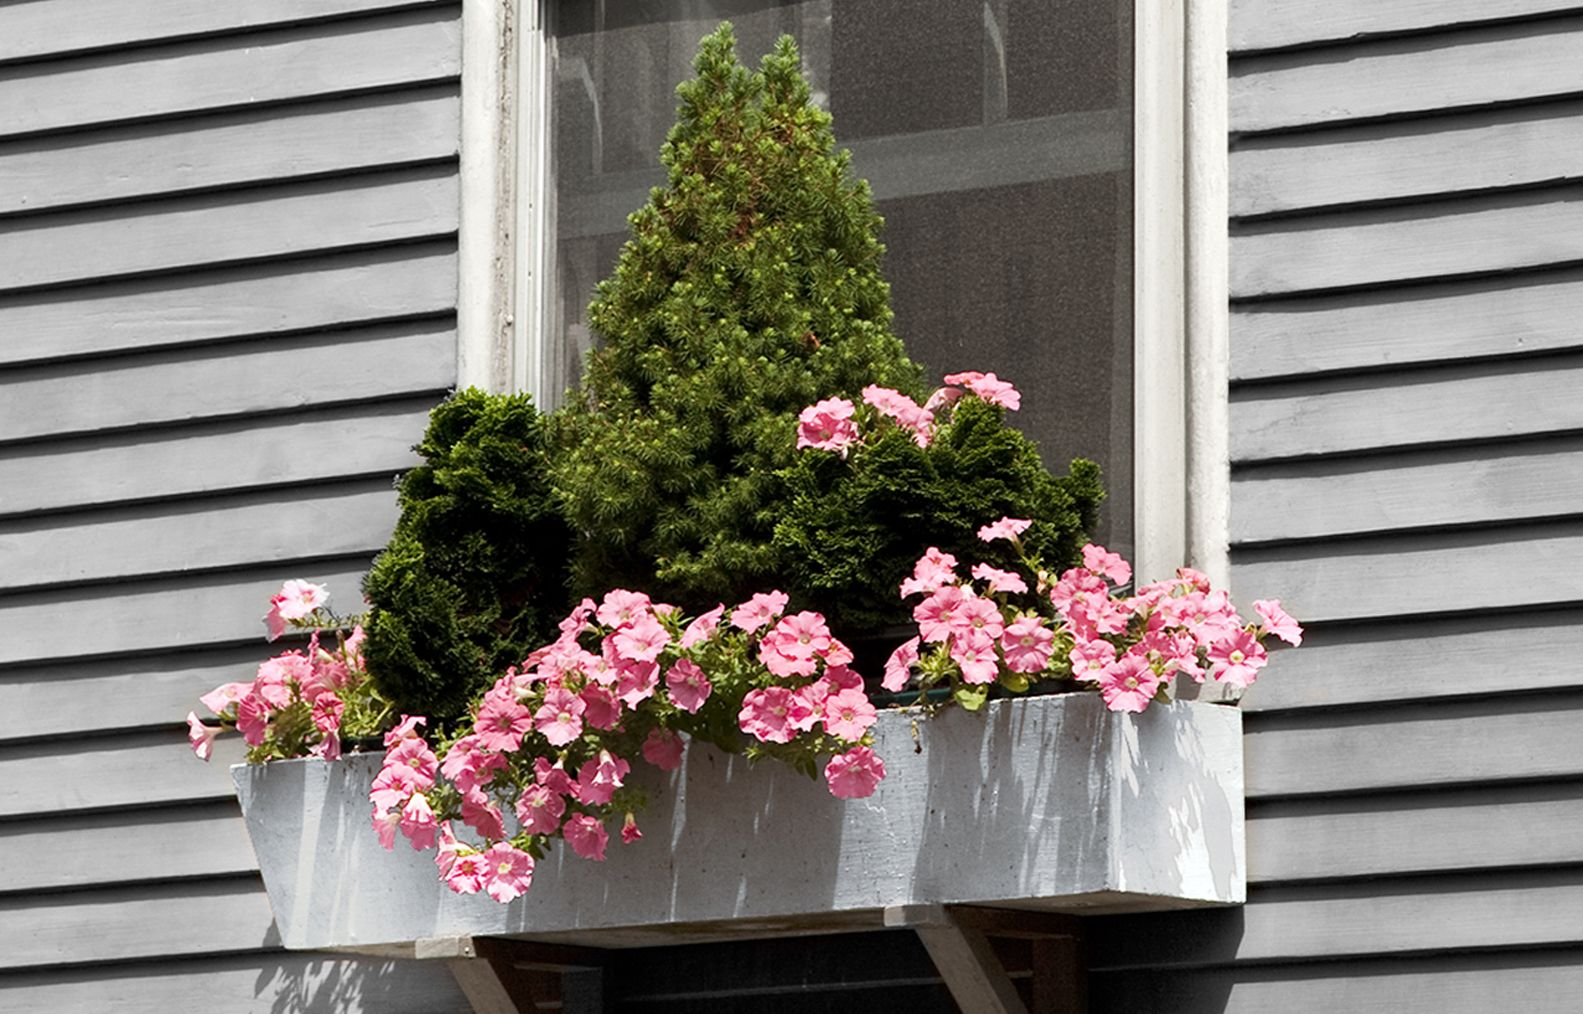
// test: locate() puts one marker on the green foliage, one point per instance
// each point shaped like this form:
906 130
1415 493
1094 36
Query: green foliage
852 529
474 577
750 288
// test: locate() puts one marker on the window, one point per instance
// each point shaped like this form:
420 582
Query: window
1026 156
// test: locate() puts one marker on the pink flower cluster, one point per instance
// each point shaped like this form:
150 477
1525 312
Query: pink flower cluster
832 424
297 704
544 756
987 628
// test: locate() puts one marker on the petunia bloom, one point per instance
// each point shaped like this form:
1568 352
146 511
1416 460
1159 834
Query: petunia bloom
586 836
1005 528
1278 622
200 736
507 872
687 685
854 774
898 668
827 426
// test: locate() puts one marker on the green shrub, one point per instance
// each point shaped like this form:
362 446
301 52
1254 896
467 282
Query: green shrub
474 577
750 287
851 529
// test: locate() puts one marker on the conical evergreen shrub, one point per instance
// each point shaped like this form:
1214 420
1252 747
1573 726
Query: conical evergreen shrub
750 288
474 577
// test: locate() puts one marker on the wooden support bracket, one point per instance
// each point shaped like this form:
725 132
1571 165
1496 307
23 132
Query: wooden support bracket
500 976
957 939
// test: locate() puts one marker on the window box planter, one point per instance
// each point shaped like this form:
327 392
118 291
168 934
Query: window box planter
1046 803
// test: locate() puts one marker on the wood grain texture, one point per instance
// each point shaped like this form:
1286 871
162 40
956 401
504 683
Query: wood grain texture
1403 575
137 769
1415 159
1527 909
188 841
333 290
341 520
369 440
189 232
1394 245
1407 76
134 923
148 691
177 386
1456 743
195 77
270 983
1273 24
1373 330
35 30
1460 486
1524 397
1548 982
157 615
1429 658
240 149
1448 831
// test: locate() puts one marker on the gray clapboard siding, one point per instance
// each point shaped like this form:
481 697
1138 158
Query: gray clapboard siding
252 984
1447 831
1396 575
1394 245
30 31
334 290
1460 984
1457 487
253 147
1396 161
187 841
1524 909
157 615
1374 330
1522 397
136 769
1273 24
134 923
1468 656
1407 76
324 521
1457 743
278 375
76 247
148 691
364 440
244 71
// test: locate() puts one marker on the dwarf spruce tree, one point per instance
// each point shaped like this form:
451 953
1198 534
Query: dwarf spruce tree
474 577
750 288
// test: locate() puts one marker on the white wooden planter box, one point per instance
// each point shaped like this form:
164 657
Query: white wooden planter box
1048 803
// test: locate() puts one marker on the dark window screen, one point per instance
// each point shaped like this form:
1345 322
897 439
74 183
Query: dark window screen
997 136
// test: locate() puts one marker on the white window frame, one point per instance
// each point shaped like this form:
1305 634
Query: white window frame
1180 249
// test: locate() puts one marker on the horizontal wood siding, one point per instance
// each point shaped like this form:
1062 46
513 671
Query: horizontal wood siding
1407 476
227 295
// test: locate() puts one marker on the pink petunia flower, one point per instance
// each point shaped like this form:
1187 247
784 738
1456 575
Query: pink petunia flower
1128 684
636 682
687 685
386 822
1005 528
200 736
974 653
936 615
905 412
600 777
466 875
553 776
327 712
629 830
587 836
1090 659
1102 561
702 628
663 748
978 615
1278 622
757 611
225 696
539 809
827 426
898 668
277 675
622 607
942 398
252 718
848 714
501 723
642 641
1027 645
407 728
577 620
1237 658
418 822
601 710
560 718
854 774
766 715
507 872
296 600
999 580
995 391
932 570
483 816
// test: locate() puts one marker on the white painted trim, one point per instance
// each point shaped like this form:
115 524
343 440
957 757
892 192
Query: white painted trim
1159 360
532 361
487 230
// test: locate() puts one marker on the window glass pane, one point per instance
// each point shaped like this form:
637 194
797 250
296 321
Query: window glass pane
996 135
